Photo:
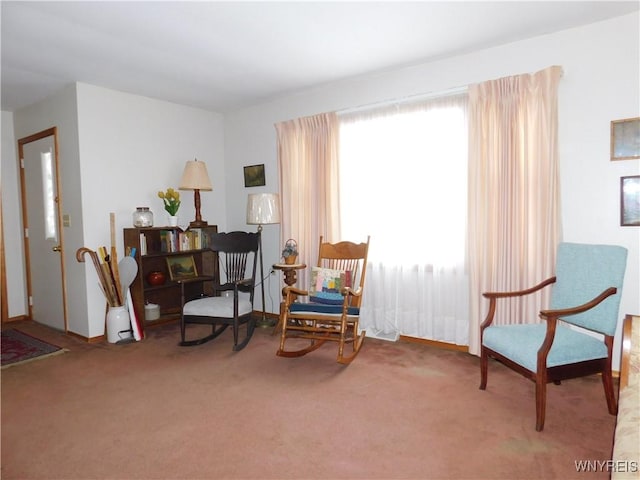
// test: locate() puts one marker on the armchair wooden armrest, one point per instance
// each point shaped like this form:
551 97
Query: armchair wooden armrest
520 293
493 296
291 293
346 291
565 312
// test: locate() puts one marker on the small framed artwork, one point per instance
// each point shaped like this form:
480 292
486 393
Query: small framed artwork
625 139
630 201
181 267
254 176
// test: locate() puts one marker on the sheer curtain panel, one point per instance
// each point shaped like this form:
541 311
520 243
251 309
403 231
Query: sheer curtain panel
403 180
513 192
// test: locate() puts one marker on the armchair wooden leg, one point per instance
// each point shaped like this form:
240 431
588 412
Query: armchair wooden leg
541 402
607 379
607 382
484 364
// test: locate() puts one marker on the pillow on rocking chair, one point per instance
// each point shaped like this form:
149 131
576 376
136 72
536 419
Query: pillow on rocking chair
327 284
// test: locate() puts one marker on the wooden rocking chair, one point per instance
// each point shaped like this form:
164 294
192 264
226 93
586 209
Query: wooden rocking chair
236 254
330 309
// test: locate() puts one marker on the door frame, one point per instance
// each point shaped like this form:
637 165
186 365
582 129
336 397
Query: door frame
3 274
53 131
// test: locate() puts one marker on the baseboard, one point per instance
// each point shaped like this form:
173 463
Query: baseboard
389 337
258 314
458 348
98 339
435 343
394 337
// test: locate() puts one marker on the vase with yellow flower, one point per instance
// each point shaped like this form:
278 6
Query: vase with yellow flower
171 200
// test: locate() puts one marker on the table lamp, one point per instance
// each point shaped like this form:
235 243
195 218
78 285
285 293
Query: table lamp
263 209
196 178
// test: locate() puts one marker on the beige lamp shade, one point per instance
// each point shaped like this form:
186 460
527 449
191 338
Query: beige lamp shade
263 209
195 176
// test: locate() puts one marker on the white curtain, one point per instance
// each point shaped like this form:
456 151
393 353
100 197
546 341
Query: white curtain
514 197
403 180
308 169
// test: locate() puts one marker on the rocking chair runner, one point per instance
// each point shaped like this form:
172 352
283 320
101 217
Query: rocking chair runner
331 309
586 294
236 253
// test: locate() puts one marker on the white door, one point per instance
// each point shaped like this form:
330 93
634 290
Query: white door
43 235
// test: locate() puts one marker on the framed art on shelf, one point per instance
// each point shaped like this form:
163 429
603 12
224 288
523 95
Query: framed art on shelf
630 201
625 139
254 176
181 267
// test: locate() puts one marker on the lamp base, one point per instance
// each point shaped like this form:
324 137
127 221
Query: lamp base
198 224
266 323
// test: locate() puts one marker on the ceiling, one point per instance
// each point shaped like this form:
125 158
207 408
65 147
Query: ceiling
222 56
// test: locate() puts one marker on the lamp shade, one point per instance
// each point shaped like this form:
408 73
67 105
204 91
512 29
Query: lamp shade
195 176
263 208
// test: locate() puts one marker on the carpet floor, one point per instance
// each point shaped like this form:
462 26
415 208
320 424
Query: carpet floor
155 410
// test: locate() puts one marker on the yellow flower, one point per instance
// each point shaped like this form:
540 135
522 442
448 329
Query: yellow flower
171 200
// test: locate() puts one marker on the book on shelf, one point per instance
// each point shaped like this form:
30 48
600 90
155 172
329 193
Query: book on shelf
181 241
172 240
143 244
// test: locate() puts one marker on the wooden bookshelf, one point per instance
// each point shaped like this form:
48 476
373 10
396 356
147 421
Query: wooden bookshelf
153 246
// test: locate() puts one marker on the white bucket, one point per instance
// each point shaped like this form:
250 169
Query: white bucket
118 324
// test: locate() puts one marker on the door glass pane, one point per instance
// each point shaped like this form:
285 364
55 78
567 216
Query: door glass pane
48 194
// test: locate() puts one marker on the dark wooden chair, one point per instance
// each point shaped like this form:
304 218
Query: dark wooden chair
585 298
230 300
330 310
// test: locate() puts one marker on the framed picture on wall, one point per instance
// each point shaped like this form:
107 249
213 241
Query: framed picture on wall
254 176
630 201
625 139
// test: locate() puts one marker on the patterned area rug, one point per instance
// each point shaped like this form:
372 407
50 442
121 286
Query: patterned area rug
18 348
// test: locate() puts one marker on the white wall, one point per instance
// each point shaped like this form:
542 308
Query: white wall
117 151
11 220
601 83
58 110
131 147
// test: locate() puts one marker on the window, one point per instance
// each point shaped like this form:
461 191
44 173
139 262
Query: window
403 180
49 196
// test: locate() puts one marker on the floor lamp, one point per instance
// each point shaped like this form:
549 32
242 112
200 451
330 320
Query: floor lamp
263 209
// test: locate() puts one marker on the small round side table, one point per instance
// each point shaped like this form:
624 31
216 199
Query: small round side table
290 272
290 278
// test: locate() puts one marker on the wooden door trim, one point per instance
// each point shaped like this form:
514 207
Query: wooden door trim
3 273
53 131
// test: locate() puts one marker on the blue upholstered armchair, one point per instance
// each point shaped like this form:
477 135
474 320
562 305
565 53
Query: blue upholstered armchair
585 294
